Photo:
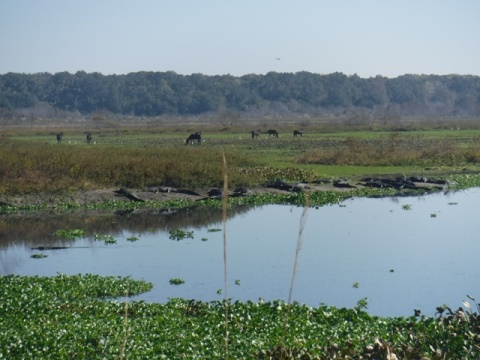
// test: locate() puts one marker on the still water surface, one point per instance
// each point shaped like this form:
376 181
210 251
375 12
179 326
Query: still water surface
404 253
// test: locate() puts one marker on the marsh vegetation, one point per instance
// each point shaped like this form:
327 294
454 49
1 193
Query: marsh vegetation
75 317
138 160
88 316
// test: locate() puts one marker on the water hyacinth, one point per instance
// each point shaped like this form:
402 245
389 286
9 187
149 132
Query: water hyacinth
78 317
70 233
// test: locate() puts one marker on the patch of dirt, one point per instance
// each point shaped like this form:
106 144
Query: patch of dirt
86 197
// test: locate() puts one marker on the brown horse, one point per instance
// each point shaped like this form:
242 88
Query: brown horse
59 137
255 134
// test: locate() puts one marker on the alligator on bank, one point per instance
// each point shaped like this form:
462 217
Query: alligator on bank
129 195
282 185
214 193
401 183
398 183
411 183
169 189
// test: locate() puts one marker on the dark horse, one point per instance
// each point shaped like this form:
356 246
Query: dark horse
297 133
255 134
89 138
273 133
59 137
194 137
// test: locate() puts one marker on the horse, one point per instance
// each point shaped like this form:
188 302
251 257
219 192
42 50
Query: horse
255 134
194 137
273 133
59 137
89 138
297 133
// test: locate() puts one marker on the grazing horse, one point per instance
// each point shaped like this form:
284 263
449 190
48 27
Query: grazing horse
89 138
194 137
297 133
59 137
255 134
273 133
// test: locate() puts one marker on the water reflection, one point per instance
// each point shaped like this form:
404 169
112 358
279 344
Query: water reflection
405 253
37 229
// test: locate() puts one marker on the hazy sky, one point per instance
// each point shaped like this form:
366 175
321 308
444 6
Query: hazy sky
238 37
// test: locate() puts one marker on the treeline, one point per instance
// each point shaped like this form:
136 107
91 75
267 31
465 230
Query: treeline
168 93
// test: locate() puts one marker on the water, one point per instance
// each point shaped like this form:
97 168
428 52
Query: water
404 253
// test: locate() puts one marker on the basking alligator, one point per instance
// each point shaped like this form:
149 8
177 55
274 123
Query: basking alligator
129 195
168 189
282 185
411 183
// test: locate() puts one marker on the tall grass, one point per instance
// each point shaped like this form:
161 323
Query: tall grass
33 167
395 150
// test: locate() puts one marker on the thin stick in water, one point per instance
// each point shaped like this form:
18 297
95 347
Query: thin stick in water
225 263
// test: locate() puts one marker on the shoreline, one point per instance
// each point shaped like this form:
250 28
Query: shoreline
96 197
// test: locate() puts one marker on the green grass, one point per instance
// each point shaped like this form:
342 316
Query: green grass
35 163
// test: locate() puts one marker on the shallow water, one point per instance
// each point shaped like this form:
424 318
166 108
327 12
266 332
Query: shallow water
404 253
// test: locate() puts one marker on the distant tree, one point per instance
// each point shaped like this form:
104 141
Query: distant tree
167 93
339 90
406 89
370 92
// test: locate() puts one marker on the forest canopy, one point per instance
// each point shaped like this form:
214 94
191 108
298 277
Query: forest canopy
168 93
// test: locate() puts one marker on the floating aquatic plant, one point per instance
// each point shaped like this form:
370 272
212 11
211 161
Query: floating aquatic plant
75 317
70 233
362 303
107 239
176 281
179 234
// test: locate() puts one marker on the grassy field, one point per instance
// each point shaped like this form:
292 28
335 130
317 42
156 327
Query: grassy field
34 162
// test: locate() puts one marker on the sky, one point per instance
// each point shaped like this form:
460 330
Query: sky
218 37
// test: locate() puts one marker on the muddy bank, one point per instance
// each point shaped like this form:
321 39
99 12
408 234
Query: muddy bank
161 193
